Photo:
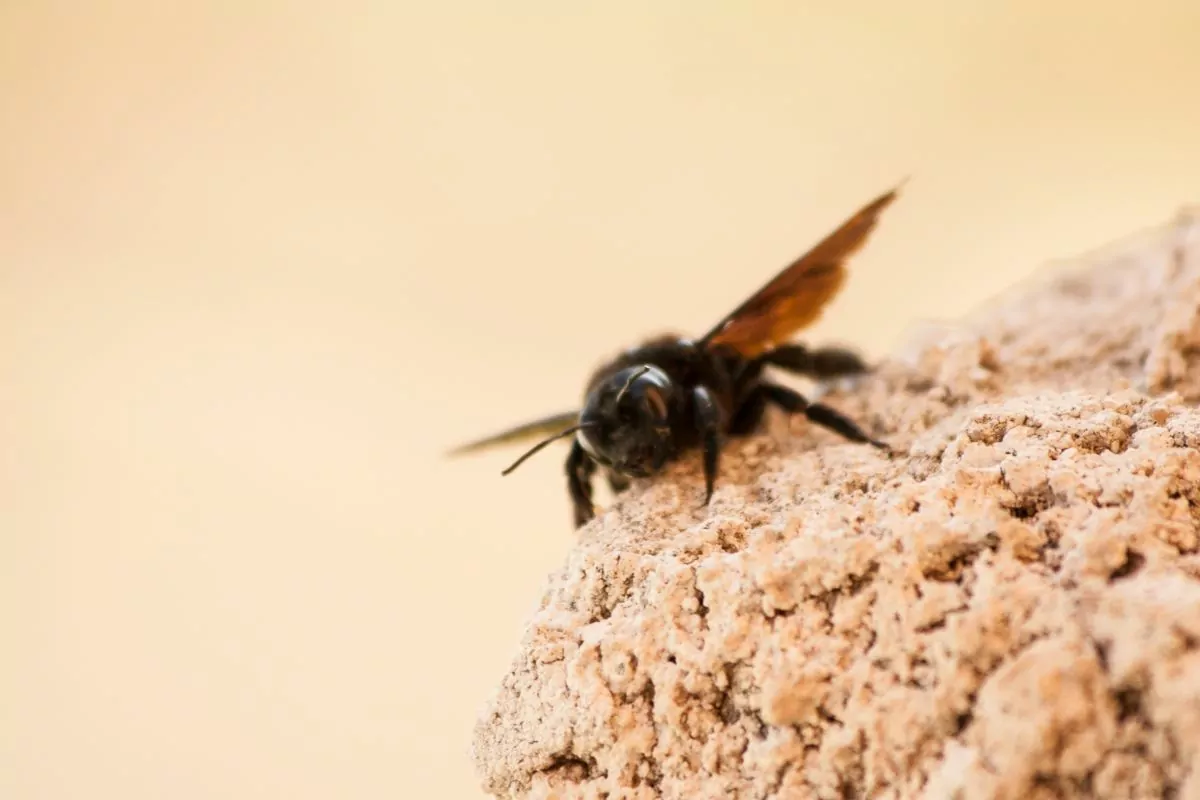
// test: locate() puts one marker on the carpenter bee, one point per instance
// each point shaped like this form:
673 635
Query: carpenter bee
672 395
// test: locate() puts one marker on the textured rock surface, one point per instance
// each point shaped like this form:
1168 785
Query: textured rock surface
1009 610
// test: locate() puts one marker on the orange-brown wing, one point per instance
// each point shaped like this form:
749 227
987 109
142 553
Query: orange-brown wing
795 298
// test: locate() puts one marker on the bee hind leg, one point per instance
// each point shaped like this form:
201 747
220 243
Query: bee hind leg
823 363
819 414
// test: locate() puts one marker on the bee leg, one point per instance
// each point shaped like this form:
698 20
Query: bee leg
708 421
579 483
819 414
749 413
617 482
822 363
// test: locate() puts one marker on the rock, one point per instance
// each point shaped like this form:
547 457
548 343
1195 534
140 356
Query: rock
1010 608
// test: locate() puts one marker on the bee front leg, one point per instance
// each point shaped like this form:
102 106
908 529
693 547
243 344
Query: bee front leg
617 482
579 482
708 423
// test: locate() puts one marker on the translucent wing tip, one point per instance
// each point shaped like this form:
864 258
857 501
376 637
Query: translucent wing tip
555 423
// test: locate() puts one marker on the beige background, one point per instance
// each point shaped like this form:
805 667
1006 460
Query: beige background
260 263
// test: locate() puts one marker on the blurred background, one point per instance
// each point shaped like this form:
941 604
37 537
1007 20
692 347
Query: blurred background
261 263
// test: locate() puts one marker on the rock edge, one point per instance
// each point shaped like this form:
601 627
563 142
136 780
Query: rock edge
1010 610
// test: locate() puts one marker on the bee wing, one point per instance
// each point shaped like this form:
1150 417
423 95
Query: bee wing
537 429
795 298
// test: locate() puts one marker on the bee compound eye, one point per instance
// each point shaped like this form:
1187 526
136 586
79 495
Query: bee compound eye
653 398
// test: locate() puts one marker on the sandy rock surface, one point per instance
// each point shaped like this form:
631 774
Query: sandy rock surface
1008 609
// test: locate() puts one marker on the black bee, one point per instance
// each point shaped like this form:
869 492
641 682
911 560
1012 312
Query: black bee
671 395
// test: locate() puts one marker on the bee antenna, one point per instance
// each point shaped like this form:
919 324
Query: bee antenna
545 442
629 382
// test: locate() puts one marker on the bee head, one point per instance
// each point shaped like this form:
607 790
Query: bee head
625 422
